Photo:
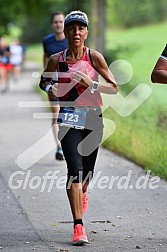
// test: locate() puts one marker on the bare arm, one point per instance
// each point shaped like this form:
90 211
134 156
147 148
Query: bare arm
159 73
52 65
110 87
45 59
100 65
48 74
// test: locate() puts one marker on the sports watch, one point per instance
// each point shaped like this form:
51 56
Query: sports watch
94 87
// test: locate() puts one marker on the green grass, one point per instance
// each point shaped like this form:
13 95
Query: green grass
34 53
142 136
150 40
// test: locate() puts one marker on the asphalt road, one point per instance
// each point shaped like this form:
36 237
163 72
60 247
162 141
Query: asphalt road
34 210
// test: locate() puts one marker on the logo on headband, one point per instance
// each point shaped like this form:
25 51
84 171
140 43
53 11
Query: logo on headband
76 18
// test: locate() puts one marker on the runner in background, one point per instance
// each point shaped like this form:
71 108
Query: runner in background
5 66
16 59
54 43
159 73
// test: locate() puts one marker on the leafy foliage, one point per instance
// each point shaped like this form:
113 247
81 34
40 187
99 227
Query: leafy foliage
33 16
130 13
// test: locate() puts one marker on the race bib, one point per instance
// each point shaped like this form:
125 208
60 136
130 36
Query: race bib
72 117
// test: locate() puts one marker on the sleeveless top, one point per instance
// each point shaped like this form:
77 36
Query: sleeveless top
84 96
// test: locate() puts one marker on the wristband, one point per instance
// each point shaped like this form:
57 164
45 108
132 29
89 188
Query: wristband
47 88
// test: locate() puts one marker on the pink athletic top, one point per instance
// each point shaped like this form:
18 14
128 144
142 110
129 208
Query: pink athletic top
65 80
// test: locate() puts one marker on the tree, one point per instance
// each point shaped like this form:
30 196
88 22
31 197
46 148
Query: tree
10 12
98 25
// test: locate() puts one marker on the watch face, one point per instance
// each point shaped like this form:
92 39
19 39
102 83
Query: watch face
95 86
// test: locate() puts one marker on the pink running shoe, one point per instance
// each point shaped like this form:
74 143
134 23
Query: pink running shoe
79 237
85 201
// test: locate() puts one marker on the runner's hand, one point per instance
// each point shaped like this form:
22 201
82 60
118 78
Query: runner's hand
82 78
53 91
